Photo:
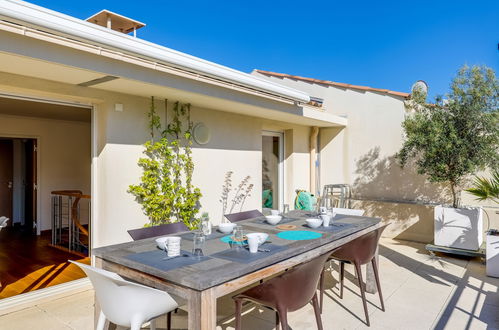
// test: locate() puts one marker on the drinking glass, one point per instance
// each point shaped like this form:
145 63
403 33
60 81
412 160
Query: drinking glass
328 202
206 225
238 236
285 209
198 244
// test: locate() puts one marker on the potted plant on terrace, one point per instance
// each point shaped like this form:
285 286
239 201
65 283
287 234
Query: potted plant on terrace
451 139
488 189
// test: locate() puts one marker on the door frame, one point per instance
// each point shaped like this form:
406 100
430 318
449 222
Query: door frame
39 142
280 169
29 299
38 163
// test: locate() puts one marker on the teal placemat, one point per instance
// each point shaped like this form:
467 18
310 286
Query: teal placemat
298 235
227 239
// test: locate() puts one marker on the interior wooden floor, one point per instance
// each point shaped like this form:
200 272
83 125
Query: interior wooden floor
27 263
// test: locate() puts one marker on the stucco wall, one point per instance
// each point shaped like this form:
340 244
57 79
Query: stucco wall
63 152
362 154
235 145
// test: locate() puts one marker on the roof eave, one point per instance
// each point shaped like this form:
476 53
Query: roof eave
333 83
35 16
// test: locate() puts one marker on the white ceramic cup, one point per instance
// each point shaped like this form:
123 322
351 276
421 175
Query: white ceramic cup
254 241
172 246
326 219
274 212
323 210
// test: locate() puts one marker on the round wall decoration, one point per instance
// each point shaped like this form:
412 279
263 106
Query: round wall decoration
201 133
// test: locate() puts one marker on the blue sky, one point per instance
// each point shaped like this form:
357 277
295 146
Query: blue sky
384 44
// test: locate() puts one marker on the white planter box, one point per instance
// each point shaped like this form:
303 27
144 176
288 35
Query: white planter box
492 255
460 228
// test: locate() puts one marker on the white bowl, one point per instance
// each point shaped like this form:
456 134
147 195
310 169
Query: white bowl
262 237
314 223
226 227
273 219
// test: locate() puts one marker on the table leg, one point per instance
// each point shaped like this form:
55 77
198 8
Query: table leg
202 310
370 279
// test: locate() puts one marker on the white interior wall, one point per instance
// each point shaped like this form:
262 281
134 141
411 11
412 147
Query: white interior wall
63 151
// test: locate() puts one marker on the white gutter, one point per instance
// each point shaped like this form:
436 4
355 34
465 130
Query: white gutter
38 17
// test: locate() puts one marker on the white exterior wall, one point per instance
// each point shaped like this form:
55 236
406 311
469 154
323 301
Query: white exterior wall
362 154
235 146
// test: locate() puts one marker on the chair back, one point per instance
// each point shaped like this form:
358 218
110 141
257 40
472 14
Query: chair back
147 232
343 211
121 300
293 289
361 249
235 217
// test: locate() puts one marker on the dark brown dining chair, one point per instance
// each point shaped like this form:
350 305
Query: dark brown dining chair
146 232
287 292
358 252
235 217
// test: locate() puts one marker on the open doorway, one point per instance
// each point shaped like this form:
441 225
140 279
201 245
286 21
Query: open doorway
18 182
45 148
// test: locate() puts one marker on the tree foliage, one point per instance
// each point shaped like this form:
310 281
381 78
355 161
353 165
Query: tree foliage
457 135
165 191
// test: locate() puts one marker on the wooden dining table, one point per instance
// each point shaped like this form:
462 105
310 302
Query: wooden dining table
227 267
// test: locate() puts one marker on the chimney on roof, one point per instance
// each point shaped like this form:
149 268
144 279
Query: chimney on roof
116 22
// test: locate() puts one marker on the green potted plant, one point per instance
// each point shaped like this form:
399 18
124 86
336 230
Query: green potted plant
451 139
485 189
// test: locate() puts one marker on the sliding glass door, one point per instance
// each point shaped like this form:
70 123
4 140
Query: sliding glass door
272 170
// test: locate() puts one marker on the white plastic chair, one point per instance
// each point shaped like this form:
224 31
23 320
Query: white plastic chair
126 303
343 211
3 222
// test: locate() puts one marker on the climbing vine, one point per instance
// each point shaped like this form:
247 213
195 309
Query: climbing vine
165 191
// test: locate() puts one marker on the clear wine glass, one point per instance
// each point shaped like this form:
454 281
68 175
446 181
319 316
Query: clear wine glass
198 244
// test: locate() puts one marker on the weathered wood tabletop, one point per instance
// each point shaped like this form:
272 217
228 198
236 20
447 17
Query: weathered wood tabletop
201 283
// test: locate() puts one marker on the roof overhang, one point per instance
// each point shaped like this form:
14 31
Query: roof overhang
86 68
39 18
62 82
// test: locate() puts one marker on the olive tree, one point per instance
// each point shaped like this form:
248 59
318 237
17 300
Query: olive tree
457 135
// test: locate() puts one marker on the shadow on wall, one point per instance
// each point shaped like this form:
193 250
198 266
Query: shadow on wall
413 222
382 178
383 189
